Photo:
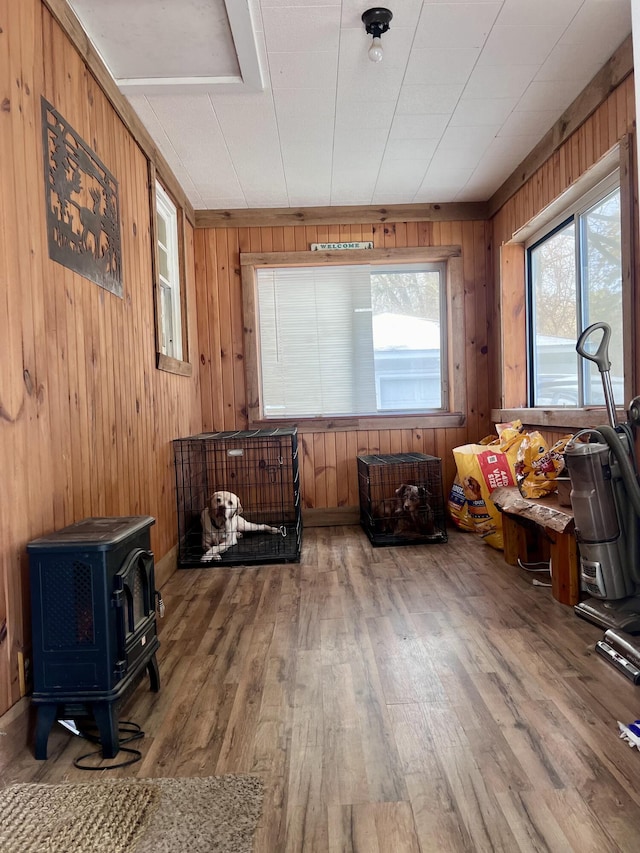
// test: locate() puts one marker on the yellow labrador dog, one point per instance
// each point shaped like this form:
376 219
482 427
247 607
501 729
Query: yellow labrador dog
223 524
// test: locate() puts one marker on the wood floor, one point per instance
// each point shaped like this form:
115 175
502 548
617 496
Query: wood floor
423 698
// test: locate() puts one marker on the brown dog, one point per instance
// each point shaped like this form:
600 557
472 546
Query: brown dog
414 512
409 513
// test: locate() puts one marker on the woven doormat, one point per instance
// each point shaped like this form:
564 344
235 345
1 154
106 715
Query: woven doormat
215 814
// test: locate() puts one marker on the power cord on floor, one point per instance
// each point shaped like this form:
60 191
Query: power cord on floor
529 567
544 567
131 732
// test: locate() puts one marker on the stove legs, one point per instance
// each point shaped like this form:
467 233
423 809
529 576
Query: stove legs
106 717
154 674
44 721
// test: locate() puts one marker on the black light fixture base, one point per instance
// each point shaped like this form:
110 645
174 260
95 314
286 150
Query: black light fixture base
376 21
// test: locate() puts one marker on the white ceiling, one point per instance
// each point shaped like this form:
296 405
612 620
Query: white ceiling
274 103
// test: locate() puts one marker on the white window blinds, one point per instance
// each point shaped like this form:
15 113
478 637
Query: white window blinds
316 341
350 340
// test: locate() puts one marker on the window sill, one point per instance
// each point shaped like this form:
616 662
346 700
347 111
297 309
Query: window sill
557 418
172 365
440 420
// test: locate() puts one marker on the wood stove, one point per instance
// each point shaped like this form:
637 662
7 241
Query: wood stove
94 623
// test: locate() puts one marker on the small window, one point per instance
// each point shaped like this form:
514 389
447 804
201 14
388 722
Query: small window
354 339
170 305
575 279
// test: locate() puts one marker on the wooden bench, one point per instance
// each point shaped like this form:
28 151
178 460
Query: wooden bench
541 528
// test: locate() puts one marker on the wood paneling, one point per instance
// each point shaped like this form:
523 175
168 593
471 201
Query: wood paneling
328 460
86 420
514 323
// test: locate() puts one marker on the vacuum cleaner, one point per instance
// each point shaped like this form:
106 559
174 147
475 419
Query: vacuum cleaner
605 496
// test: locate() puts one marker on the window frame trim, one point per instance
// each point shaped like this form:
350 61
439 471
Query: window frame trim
166 363
580 205
451 256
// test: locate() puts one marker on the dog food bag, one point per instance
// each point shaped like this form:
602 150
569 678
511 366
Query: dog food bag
458 507
538 465
481 469
508 438
457 504
516 426
510 442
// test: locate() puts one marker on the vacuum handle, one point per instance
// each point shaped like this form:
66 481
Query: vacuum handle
601 355
601 358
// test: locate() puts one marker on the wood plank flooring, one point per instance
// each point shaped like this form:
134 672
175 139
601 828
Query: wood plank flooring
421 699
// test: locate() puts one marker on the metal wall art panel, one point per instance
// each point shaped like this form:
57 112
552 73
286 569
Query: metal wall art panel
83 219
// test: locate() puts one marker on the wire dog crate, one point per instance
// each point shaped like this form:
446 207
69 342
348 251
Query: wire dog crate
401 498
261 468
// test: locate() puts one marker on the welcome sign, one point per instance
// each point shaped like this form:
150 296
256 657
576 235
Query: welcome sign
327 247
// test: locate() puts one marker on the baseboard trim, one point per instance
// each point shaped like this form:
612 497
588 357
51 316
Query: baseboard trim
335 516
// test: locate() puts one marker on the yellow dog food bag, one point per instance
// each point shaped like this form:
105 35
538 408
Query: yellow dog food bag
458 507
538 465
508 439
457 504
481 469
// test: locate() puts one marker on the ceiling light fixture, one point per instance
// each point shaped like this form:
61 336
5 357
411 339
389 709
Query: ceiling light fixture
376 22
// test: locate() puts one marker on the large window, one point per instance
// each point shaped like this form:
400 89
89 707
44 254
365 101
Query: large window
351 340
575 279
359 340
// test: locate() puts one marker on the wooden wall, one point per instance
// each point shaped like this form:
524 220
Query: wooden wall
328 459
86 420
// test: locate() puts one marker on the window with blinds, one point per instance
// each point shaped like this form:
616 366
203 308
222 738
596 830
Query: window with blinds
357 339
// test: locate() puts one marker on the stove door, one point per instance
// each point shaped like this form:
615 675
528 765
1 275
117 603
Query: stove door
134 598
